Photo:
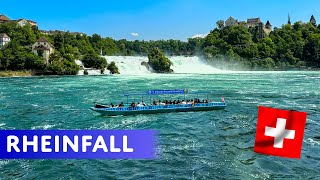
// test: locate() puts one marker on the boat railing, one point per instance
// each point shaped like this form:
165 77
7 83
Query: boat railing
211 104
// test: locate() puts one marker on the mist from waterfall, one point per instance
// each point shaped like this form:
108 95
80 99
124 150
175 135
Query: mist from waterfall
181 64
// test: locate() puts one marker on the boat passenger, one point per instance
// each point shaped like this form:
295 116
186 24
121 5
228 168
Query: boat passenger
132 104
183 102
121 104
192 103
139 105
178 102
111 105
143 104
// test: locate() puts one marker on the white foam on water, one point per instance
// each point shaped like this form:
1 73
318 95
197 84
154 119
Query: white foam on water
90 71
43 127
3 162
93 72
181 64
192 65
130 64
311 142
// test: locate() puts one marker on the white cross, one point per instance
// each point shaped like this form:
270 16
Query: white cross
279 133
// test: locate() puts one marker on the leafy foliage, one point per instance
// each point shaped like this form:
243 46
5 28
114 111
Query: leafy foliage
112 67
60 65
159 62
93 60
17 55
287 47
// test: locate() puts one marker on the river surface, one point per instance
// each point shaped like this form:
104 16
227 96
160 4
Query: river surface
193 145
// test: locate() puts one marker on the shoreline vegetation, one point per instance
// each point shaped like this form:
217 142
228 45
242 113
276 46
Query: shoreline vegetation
290 47
15 73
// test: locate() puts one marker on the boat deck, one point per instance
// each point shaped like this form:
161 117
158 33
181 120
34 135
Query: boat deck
160 109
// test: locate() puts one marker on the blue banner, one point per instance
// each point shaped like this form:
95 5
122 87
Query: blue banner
77 144
178 91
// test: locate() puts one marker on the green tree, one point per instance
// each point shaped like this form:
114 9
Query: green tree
92 60
288 57
237 35
220 24
312 50
159 62
59 42
112 67
34 62
266 48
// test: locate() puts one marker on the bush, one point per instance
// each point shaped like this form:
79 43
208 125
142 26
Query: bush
112 67
59 65
159 62
93 60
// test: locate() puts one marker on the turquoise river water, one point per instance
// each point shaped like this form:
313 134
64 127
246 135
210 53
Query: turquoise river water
192 145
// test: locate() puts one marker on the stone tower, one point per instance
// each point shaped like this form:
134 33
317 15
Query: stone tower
313 21
268 25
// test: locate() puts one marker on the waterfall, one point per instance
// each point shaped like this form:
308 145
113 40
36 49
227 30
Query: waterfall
181 64
129 64
191 65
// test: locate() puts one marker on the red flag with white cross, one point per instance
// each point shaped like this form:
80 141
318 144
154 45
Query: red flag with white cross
280 132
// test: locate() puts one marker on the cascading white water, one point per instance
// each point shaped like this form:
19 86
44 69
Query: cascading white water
181 64
192 65
129 64
89 70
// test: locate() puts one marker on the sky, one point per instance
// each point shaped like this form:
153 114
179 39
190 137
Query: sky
153 19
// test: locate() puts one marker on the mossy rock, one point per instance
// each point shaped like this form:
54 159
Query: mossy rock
159 62
145 64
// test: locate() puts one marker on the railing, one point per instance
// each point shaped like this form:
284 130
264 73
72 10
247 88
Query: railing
213 104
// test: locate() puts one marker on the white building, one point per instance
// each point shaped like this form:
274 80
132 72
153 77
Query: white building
44 47
23 22
4 39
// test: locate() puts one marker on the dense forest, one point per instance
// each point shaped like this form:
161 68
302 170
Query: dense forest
289 47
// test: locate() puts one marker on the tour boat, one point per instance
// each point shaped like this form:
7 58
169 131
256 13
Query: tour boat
152 109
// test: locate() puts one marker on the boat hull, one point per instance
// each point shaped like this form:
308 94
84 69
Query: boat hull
158 109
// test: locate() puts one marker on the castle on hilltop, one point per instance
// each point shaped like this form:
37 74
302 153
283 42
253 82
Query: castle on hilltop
251 22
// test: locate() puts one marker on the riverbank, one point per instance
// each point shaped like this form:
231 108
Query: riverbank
15 73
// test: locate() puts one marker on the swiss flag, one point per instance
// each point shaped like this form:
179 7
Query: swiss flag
280 132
